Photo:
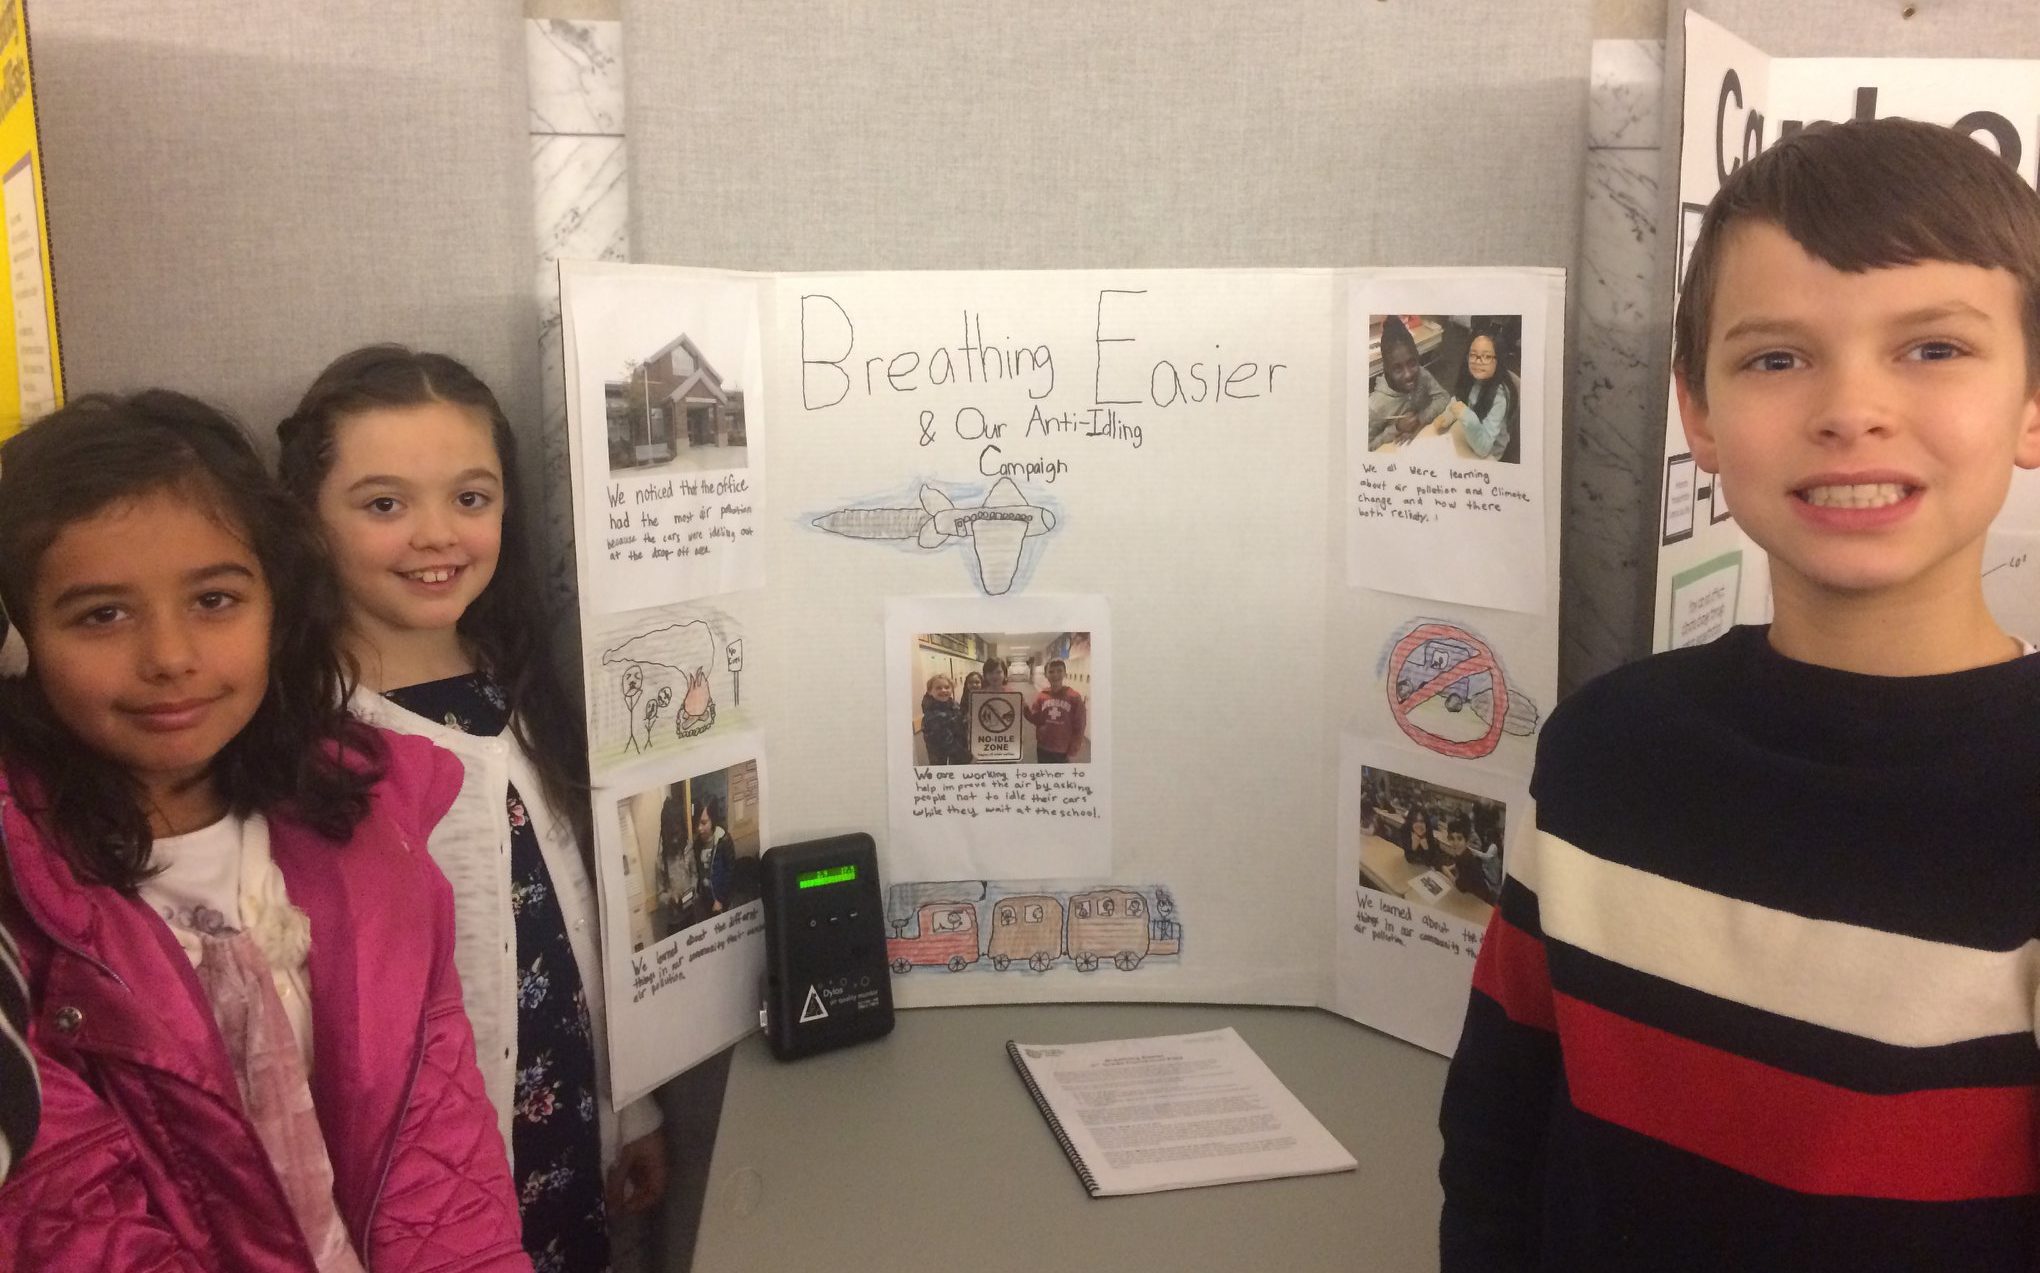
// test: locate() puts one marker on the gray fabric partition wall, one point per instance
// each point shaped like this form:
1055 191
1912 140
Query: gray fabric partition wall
923 134
239 192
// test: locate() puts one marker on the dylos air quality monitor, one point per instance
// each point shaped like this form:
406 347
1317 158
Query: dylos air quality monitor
826 982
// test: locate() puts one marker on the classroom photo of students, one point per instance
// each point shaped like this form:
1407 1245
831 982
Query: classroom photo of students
1430 844
1446 386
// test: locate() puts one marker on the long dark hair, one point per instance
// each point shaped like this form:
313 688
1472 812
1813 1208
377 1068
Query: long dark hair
511 642
1480 394
300 752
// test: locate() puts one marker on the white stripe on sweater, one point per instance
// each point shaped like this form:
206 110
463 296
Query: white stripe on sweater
1889 987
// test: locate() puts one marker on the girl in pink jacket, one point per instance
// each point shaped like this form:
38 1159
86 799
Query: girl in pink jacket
238 954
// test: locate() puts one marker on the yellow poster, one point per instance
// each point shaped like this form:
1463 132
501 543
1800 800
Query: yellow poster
31 376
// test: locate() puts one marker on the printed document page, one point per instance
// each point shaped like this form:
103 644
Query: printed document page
1176 1112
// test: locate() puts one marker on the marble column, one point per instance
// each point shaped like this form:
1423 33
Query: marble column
1620 352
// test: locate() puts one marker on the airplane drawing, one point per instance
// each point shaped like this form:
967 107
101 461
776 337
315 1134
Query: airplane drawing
997 529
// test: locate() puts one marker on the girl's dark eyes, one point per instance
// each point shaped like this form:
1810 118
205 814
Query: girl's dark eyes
473 499
1774 360
382 504
99 616
217 600
1935 351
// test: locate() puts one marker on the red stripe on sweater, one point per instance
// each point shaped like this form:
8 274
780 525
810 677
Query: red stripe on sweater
1943 1145
1511 971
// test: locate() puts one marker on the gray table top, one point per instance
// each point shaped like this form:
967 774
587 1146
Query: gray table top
923 1151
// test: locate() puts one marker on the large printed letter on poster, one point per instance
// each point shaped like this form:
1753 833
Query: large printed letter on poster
665 401
999 739
1738 102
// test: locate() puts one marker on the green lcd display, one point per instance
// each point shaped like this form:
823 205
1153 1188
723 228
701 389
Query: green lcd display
827 875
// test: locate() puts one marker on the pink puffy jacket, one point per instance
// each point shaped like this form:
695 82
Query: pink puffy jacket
145 1161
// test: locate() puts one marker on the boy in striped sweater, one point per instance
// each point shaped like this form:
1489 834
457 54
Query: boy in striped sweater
1760 993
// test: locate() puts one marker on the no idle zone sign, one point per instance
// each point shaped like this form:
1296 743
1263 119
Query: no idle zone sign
995 718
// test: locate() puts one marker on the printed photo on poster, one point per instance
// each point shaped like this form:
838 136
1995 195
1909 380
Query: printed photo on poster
1431 844
665 389
694 845
998 738
1422 845
1444 376
1449 376
989 698
671 411
677 843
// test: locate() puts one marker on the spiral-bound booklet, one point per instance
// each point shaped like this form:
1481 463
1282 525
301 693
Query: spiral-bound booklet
1175 1112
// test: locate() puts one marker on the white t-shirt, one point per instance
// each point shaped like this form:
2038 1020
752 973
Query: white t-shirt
220 879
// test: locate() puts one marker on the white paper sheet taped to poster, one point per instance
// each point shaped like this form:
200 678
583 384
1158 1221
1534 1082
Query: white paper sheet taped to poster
999 738
666 403
1445 438
677 842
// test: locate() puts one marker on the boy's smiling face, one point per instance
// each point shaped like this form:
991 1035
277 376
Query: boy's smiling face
1865 425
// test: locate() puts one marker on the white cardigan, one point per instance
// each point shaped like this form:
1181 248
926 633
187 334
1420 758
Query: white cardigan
472 847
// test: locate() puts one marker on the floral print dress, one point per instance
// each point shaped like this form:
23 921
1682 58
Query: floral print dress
555 1150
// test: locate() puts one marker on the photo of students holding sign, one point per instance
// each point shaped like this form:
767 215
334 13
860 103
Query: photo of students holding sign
1001 698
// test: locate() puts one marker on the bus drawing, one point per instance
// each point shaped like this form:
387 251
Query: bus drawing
1032 931
1026 928
1108 924
947 935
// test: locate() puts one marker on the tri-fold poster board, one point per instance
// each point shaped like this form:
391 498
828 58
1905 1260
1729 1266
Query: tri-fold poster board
1739 101
1180 635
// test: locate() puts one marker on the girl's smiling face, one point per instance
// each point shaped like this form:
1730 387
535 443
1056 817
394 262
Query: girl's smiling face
148 631
940 689
1481 361
412 508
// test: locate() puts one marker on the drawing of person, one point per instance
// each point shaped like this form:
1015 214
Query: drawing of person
633 689
942 725
1059 719
1484 404
1408 397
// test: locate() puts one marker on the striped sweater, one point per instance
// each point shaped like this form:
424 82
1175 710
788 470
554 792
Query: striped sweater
20 1093
1760 993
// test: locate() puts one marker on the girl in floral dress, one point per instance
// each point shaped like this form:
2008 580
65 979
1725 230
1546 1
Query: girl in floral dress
411 467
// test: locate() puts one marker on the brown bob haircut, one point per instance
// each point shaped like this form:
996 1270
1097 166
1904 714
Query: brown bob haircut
1865 195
